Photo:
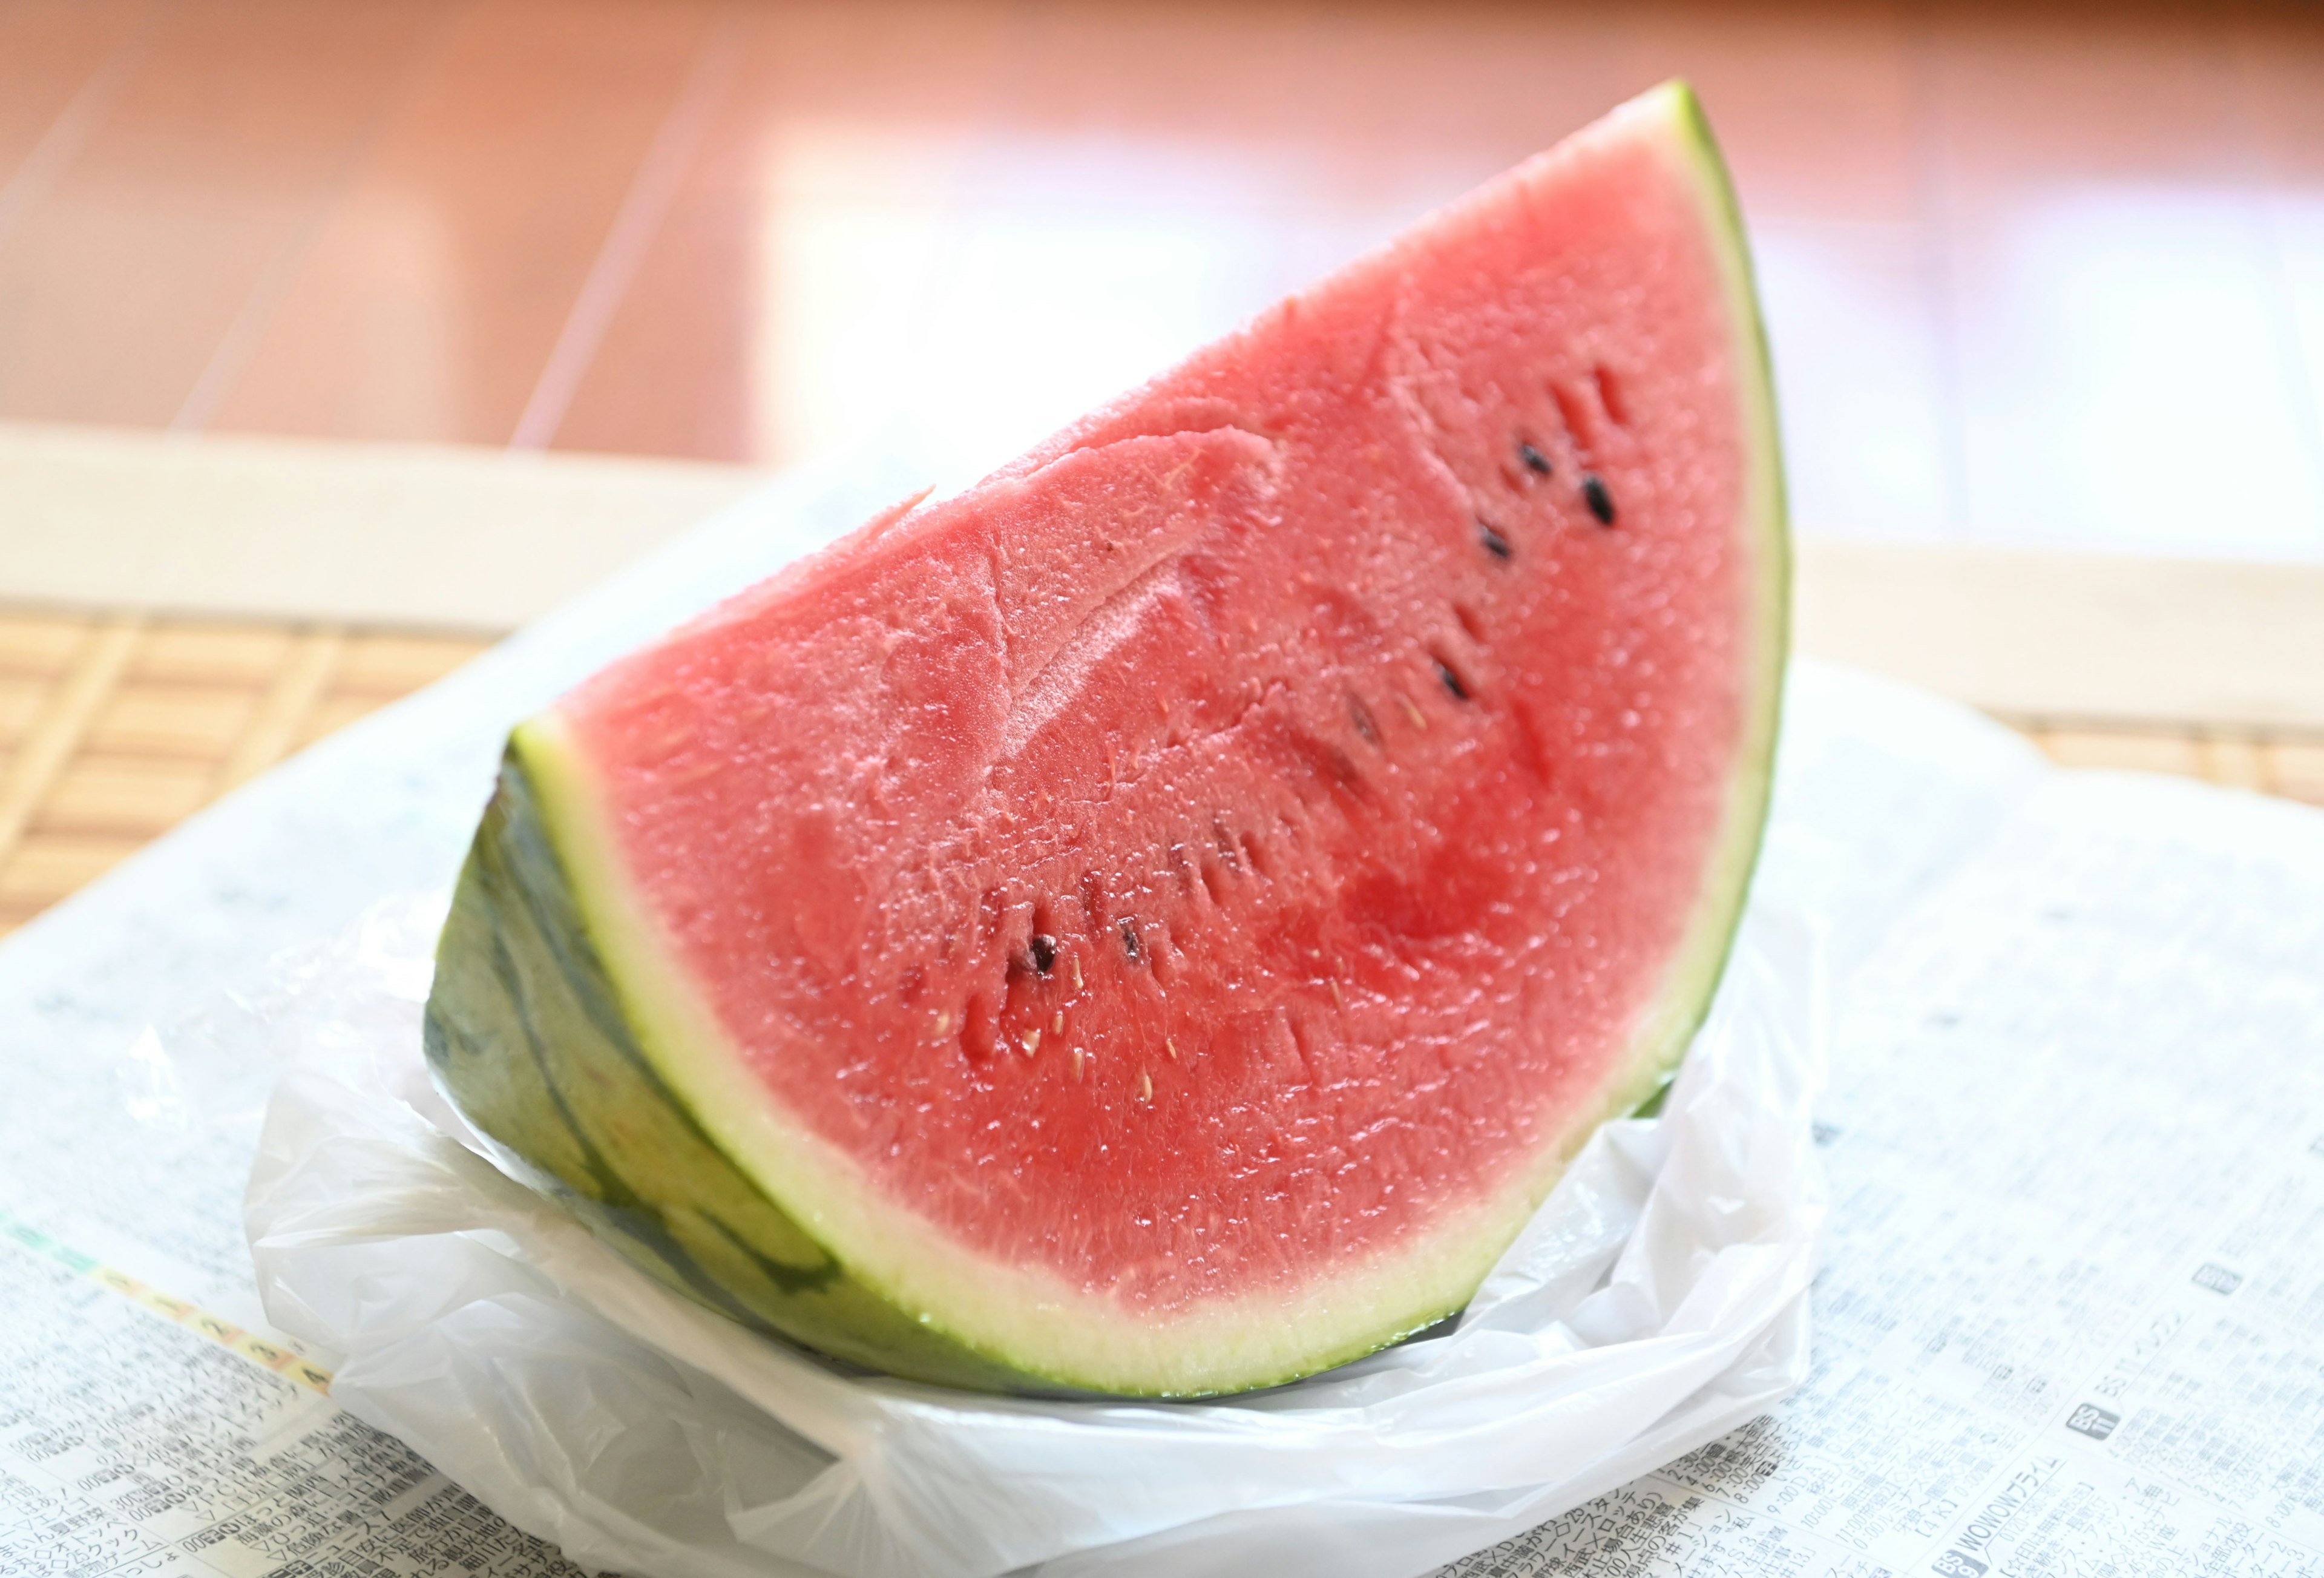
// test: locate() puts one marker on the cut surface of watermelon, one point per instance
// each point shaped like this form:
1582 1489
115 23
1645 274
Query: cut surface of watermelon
1159 921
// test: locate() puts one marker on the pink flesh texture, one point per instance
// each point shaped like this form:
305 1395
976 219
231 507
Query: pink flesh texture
1339 950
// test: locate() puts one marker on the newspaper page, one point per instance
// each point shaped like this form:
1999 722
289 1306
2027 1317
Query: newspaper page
2071 1321
150 1422
2068 1324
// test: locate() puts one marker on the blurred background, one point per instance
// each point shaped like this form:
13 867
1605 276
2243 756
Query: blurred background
285 284
2034 273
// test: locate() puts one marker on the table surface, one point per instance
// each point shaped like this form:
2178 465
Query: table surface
114 728
2049 272
2036 275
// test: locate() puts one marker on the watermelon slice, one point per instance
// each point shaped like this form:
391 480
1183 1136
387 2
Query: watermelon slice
1158 922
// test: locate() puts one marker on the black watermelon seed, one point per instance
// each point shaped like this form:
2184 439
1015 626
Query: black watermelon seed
1600 501
1495 543
1451 680
1044 951
1536 461
1362 717
1130 939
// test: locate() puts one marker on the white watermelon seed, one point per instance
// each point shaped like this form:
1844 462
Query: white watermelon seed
1413 713
1032 1042
1145 1085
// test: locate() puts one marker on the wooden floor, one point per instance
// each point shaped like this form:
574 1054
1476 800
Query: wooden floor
114 729
2045 273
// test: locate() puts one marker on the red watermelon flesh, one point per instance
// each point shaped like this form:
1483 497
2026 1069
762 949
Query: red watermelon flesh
1159 920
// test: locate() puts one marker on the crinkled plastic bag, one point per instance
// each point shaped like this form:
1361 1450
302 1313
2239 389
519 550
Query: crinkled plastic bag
1658 1300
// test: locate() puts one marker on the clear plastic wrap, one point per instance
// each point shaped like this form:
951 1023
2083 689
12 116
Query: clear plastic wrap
1658 1300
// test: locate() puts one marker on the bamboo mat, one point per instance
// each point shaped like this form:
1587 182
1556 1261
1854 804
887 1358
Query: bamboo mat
115 729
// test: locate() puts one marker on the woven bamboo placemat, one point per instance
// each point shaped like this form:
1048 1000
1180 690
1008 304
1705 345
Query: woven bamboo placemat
115 728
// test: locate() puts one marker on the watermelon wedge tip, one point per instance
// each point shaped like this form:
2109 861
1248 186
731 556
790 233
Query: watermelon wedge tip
1158 922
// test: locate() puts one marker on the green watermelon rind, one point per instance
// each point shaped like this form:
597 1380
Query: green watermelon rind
560 1028
528 1033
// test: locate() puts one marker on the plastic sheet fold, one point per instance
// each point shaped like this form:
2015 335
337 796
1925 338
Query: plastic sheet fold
1657 1299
